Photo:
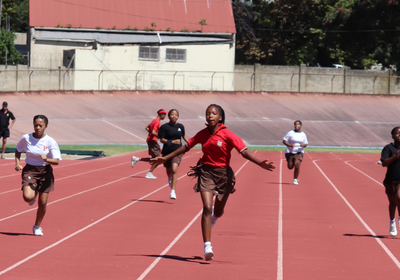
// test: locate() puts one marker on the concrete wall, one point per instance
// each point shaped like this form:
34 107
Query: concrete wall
314 79
207 67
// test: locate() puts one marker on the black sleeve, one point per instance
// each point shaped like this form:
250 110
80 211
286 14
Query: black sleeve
183 130
11 115
386 153
161 131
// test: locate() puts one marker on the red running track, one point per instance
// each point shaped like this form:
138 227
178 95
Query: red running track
106 221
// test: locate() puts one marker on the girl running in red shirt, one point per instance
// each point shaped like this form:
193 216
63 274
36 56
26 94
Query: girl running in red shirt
215 176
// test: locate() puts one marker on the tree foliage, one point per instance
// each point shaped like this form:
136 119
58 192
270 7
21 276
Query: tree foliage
7 49
357 33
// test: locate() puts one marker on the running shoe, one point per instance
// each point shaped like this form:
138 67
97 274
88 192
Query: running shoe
392 229
172 195
208 253
295 182
134 160
213 218
150 175
170 182
38 231
33 200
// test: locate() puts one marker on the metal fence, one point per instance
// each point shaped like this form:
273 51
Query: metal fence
20 78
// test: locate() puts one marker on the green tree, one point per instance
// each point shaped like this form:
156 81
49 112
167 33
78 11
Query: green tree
7 49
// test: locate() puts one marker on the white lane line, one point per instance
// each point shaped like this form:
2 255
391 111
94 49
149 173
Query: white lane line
79 174
392 257
85 228
125 130
380 183
176 239
61 199
280 227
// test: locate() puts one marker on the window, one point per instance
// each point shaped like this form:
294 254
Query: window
176 55
149 53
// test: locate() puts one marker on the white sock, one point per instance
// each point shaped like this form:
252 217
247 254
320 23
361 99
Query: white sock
208 243
393 221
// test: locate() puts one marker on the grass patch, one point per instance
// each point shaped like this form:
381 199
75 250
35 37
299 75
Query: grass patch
322 150
111 150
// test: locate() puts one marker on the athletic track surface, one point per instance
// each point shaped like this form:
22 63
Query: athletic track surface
106 221
259 118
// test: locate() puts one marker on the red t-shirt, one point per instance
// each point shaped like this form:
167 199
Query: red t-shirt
154 125
217 147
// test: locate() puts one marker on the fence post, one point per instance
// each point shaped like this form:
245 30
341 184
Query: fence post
59 78
16 78
30 74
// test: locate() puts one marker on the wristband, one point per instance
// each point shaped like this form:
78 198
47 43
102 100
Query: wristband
169 142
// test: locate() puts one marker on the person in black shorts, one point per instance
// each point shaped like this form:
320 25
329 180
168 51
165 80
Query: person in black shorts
390 159
5 126
170 135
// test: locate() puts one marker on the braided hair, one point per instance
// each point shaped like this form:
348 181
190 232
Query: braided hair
42 117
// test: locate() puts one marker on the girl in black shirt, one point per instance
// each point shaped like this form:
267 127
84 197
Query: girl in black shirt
390 159
170 135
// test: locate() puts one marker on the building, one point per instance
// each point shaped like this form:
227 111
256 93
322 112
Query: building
135 44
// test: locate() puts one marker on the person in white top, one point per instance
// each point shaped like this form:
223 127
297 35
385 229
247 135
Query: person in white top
42 151
295 141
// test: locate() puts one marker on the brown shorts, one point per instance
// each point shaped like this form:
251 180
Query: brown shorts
39 178
290 156
217 180
391 189
154 149
176 159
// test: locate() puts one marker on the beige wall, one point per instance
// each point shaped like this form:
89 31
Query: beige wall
118 68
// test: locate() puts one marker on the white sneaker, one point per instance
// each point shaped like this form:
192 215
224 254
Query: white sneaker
38 231
213 219
392 229
172 195
170 182
295 182
33 200
150 175
134 160
208 253
2 156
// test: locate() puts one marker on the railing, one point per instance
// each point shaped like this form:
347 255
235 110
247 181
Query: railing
378 82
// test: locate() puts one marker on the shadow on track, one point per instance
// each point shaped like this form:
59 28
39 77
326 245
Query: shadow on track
195 259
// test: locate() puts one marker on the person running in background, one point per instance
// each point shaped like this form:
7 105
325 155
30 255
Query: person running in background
170 135
42 151
154 148
390 159
5 126
295 141
214 175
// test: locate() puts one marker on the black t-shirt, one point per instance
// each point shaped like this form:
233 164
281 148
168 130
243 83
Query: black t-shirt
171 132
393 169
5 119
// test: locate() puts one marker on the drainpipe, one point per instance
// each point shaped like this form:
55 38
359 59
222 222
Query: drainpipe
159 37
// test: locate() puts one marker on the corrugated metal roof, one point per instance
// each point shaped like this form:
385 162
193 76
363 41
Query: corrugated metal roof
126 38
175 15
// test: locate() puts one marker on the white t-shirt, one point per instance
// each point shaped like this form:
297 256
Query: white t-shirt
296 138
34 147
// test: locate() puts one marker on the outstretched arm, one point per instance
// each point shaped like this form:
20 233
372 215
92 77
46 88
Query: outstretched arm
175 153
263 164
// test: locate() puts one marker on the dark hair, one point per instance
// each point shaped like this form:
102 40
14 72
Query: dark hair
299 121
170 112
43 117
221 112
394 129
158 112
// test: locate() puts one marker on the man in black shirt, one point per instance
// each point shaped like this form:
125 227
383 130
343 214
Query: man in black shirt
5 125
